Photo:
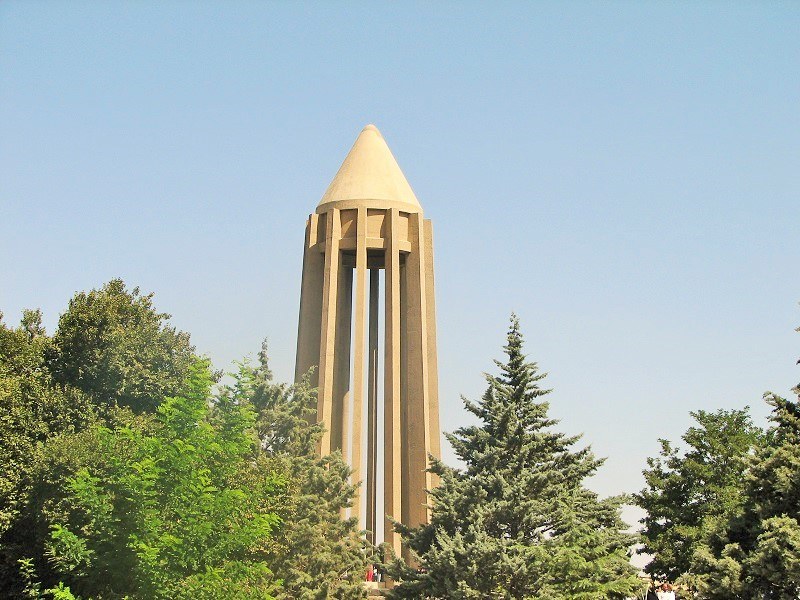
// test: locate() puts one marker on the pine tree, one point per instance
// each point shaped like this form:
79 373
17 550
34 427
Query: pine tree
319 554
772 518
518 521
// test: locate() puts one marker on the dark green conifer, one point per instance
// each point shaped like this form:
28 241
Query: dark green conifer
517 521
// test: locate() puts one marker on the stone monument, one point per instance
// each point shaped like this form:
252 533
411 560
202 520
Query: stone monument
370 223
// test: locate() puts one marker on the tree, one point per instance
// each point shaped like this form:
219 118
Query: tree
318 554
518 521
113 345
689 494
32 410
111 349
171 507
756 555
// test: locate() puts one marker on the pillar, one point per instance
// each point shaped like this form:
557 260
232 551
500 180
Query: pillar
340 409
417 427
391 392
309 327
432 398
328 330
359 357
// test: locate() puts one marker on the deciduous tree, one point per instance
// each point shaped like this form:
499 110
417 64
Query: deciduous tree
112 344
690 493
756 554
32 410
176 508
743 539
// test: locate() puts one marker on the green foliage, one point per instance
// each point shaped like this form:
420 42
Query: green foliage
30 584
113 345
67 551
690 494
318 554
124 478
61 592
178 511
32 410
743 539
518 521
756 554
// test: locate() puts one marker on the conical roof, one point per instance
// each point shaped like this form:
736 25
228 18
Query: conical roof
370 176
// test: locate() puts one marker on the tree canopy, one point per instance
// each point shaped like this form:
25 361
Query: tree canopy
128 473
32 411
690 493
177 511
755 554
725 517
112 344
111 349
132 476
517 521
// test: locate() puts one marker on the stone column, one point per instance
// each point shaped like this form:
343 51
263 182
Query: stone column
309 325
328 332
416 433
359 358
391 430
432 404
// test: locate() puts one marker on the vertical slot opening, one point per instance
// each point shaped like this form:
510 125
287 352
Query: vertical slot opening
380 435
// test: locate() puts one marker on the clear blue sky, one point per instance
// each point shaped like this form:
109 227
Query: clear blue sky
625 176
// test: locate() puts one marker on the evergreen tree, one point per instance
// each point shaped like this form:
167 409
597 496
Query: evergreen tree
770 532
318 554
690 494
518 521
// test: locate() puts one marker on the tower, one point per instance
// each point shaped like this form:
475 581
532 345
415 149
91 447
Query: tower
370 223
